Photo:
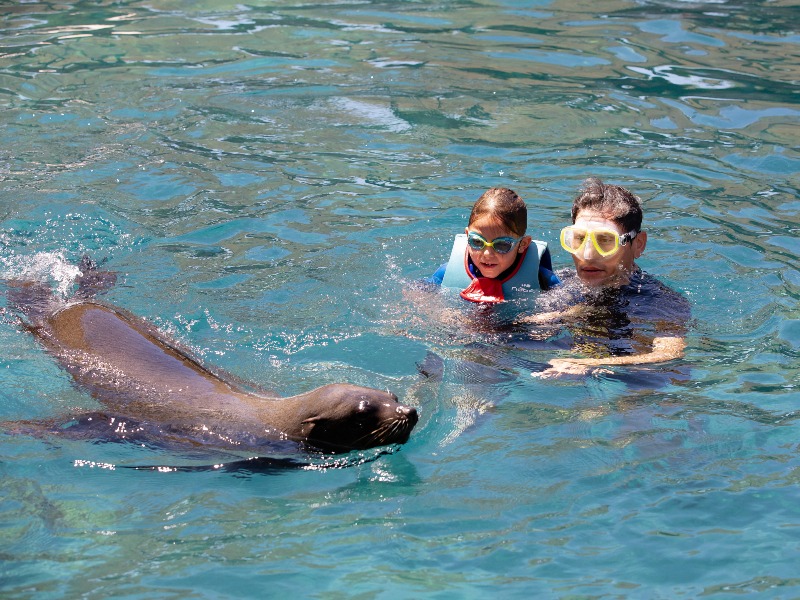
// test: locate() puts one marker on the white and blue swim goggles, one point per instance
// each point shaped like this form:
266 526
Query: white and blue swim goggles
501 245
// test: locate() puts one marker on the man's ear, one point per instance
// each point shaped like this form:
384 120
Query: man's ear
523 244
639 244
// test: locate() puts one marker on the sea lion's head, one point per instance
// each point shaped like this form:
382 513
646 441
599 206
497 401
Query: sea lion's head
343 417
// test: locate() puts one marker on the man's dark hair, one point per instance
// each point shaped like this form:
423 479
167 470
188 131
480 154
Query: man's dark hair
612 200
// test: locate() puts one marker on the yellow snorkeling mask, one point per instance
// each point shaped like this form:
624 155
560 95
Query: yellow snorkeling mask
605 241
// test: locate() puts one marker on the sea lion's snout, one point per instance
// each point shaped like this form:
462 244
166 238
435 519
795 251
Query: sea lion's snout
391 411
408 412
407 418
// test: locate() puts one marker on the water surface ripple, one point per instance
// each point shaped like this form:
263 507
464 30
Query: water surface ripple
269 176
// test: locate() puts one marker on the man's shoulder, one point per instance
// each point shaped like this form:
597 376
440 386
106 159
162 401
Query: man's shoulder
660 299
644 295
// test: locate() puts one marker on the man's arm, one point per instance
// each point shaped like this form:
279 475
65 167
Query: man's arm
664 349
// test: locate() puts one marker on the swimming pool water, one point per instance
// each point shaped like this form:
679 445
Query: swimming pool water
269 177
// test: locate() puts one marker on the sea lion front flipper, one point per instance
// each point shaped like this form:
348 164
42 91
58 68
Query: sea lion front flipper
431 367
92 281
86 426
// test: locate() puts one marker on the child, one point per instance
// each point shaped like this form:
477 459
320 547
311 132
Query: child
625 316
493 260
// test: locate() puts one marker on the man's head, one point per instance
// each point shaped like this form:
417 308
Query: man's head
606 235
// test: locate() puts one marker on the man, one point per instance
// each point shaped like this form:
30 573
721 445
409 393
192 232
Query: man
622 316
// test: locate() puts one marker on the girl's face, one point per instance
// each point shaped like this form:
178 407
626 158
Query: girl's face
490 262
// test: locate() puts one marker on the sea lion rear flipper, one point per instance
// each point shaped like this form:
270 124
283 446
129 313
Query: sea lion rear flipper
91 281
33 299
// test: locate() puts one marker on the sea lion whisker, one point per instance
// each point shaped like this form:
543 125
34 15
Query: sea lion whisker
370 435
376 434
388 429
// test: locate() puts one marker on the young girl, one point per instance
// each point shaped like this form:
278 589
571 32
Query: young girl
493 260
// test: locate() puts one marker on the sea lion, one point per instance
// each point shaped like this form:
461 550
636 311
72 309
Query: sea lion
139 374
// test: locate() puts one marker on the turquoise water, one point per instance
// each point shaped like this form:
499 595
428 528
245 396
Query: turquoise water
269 176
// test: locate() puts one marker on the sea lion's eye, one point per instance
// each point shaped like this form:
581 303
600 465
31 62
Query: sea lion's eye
363 406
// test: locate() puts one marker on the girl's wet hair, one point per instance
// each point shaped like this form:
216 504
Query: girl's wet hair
612 200
503 206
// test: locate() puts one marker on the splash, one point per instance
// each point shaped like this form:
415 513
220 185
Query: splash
52 267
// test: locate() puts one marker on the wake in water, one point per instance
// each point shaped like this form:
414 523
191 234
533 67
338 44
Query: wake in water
46 267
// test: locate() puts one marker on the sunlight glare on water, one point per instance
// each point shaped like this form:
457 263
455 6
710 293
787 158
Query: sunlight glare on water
268 178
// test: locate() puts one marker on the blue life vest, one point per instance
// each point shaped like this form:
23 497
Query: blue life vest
532 272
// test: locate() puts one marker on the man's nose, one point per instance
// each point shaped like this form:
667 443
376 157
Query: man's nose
589 251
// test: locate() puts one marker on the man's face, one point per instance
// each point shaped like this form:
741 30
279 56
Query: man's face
596 270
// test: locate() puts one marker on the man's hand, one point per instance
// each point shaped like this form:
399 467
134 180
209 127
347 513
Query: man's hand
570 366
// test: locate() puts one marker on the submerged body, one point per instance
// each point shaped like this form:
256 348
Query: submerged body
137 373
